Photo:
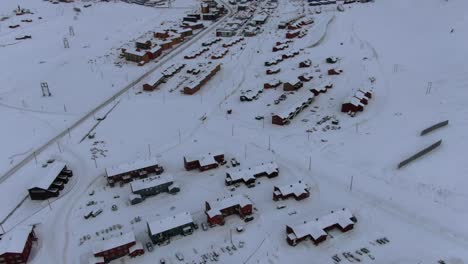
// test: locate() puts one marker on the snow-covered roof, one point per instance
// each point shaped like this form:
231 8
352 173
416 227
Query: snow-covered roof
218 205
151 182
354 101
114 242
15 240
297 188
292 104
94 260
48 174
136 52
316 228
360 95
261 17
155 78
159 226
131 166
247 174
201 157
155 49
172 69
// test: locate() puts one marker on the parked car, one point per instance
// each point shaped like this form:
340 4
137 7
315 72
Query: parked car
149 246
248 218
280 206
162 261
204 226
179 256
259 117
240 229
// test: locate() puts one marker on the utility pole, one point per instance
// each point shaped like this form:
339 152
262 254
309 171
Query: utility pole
95 162
35 157
245 152
69 135
269 143
50 207
66 44
351 184
310 162
149 150
71 31
232 130
58 145
180 137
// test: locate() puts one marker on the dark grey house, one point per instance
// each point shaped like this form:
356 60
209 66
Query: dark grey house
162 230
154 185
51 180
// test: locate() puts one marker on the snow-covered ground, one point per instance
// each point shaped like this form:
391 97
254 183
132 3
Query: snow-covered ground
407 46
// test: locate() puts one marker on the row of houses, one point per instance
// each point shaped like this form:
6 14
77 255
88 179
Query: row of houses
286 23
298 190
280 58
233 42
201 79
317 229
196 53
115 248
138 169
151 186
358 101
300 23
219 54
249 175
322 89
284 116
51 180
298 33
203 162
162 230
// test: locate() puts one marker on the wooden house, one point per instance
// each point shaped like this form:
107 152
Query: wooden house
334 72
316 229
305 64
16 245
164 34
291 109
138 169
203 162
297 190
292 34
154 82
272 84
154 185
249 175
138 56
143 45
352 104
50 181
117 247
292 85
216 211
162 230
195 85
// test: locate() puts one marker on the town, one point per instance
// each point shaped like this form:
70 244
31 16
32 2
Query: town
240 131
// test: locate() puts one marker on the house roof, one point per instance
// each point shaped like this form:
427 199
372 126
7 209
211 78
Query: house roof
247 174
131 166
297 189
354 101
173 68
191 158
316 228
159 226
151 182
48 175
114 242
218 205
155 78
291 104
15 240
94 260
360 95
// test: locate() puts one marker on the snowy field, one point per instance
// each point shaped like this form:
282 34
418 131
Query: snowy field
409 47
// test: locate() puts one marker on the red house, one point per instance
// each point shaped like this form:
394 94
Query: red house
16 245
137 169
298 190
153 83
292 34
203 162
353 104
272 84
334 72
161 34
217 210
195 85
317 229
117 247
